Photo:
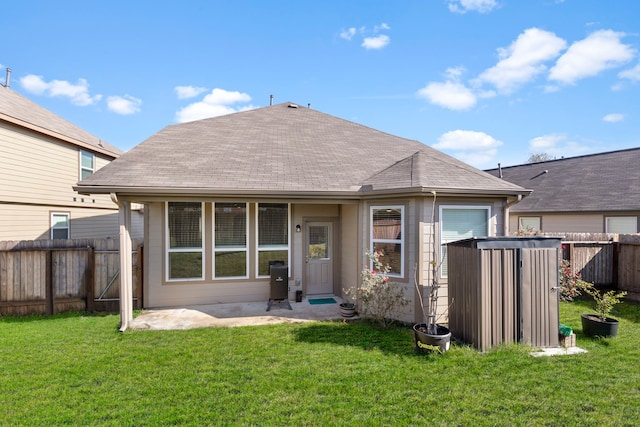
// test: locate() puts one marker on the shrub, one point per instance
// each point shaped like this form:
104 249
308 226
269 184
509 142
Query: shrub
379 298
571 283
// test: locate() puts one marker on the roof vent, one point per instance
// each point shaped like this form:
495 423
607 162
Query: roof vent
293 106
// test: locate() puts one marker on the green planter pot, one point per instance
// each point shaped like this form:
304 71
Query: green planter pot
427 342
592 326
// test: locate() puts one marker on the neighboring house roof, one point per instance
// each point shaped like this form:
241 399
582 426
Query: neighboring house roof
17 109
597 182
286 149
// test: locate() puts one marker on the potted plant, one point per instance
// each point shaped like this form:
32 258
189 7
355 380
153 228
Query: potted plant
601 324
347 309
430 335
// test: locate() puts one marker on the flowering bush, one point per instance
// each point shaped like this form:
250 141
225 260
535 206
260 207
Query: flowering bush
380 298
571 283
529 231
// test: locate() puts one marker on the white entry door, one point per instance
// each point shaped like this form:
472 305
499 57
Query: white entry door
319 258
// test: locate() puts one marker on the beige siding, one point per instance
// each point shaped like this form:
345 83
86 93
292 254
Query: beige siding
349 247
38 173
39 170
554 223
29 222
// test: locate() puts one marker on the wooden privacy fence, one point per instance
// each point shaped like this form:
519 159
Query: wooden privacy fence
49 276
605 259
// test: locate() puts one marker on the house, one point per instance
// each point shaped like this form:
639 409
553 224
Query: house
43 156
224 197
596 193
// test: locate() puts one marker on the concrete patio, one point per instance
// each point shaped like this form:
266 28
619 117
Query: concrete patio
237 314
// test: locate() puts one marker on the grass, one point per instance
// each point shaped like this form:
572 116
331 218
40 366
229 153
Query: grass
79 370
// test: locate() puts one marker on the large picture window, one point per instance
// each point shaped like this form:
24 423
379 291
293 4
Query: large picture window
387 223
272 235
230 240
184 240
461 222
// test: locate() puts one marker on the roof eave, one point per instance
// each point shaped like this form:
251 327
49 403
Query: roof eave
61 137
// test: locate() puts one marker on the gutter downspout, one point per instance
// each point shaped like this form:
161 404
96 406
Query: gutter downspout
126 264
505 214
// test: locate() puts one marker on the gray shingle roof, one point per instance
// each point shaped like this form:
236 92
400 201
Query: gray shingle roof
20 110
280 149
598 182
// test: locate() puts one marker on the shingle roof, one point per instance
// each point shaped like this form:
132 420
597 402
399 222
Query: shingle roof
19 110
598 182
285 149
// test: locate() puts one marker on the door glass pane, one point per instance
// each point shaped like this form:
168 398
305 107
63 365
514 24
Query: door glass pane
318 241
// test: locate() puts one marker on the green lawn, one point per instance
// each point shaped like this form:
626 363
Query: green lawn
79 370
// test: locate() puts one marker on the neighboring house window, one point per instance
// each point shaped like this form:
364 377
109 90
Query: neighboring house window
184 240
59 225
387 223
273 235
87 164
621 224
529 223
230 240
461 222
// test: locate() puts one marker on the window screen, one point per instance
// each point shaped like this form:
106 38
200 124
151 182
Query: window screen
458 224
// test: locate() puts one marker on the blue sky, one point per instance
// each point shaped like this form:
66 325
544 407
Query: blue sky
486 81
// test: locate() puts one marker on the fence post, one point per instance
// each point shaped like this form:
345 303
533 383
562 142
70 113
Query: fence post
91 283
49 297
615 263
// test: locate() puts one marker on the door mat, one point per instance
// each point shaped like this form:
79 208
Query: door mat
322 301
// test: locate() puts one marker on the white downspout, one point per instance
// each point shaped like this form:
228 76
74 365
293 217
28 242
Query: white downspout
505 214
126 265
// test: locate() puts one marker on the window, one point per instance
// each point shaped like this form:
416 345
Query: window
59 225
184 240
461 222
273 235
529 223
230 240
87 164
621 224
387 224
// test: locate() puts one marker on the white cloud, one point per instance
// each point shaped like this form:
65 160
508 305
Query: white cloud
185 92
613 117
377 42
632 74
78 93
475 148
556 145
523 60
348 33
217 103
450 94
464 6
599 51
383 26
124 105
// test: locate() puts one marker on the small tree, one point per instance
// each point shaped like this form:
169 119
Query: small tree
571 283
380 299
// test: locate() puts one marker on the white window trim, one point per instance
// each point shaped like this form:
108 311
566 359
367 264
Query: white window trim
272 248
401 240
51 224
229 249
82 167
607 218
487 208
520 218
169 250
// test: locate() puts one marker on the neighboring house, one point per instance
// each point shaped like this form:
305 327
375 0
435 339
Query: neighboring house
226 196
597 193
42 157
